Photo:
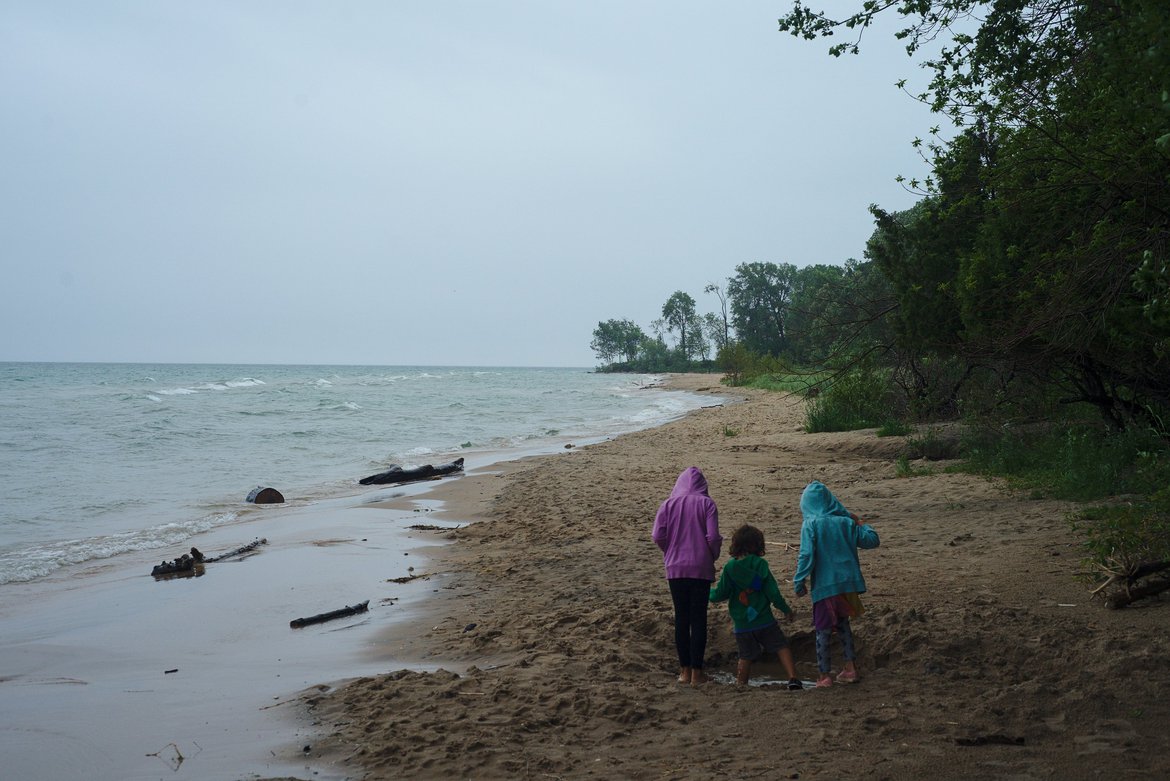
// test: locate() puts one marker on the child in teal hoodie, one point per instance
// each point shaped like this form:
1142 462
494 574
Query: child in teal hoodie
828 566
750 590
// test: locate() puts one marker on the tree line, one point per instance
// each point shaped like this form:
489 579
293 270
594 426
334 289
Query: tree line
1033 270
768 315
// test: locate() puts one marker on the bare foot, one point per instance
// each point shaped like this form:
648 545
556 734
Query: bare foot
698 678
684 675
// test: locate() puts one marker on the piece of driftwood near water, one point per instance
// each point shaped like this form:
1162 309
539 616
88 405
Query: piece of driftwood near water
186 566
191 564
348 610
396 474
240 551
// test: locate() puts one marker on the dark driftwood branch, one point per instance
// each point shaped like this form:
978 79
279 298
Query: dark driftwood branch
1126 596
251 546
396 474
187 565
191 564
407 578
348 610
1120 587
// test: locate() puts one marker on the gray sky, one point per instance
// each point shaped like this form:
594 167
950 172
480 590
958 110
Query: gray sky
418 182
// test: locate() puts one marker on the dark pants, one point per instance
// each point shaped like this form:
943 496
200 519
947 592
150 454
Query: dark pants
690 619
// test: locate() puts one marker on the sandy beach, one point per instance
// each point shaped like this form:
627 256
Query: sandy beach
549 640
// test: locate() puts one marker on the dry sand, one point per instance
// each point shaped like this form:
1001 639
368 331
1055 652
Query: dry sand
981 654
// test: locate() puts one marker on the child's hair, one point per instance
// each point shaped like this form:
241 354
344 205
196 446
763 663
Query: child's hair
747 539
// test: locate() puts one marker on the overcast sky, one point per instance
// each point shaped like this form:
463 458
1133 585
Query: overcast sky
437 183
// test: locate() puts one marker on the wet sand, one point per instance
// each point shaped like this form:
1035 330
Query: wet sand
106 673
550 640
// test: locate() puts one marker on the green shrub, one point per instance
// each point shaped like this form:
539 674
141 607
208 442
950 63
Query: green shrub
903 468
1126 534
893 428
1079 463
859 399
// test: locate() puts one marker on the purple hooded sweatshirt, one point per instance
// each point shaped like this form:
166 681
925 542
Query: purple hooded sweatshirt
686 528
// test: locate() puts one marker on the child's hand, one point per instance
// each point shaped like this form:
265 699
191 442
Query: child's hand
801 590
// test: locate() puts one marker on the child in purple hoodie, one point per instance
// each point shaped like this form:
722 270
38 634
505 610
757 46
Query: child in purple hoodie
686 528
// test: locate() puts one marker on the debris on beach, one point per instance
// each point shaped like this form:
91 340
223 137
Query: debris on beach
173 757
188 565
397 474
191 564
348 610
262 495
240 551
407 578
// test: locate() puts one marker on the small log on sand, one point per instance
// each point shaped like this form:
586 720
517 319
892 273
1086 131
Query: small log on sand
1127 596
240 551
187 565
396 474
348 610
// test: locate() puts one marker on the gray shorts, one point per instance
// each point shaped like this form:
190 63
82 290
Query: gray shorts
752 644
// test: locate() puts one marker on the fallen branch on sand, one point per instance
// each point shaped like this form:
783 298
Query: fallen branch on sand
1121 586
174 761
191 564
396 474
406 578
251 546
187 565
348 610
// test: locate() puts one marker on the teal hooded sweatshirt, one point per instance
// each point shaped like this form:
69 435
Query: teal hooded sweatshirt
751 590
829 539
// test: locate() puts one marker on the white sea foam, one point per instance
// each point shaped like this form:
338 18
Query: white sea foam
39 559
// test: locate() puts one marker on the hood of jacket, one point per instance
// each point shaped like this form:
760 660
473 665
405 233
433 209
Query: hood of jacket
691 481
818 501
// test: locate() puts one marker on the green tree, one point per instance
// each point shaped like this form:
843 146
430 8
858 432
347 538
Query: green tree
814 314
715 330
679 315
617 338
760 294
718 326
1049 210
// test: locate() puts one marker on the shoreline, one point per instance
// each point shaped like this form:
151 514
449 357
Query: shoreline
199 677
981 653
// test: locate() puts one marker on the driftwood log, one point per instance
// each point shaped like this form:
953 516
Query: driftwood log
187 565
396 474
191 564
348 610
240 551
1126 596
1121 587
